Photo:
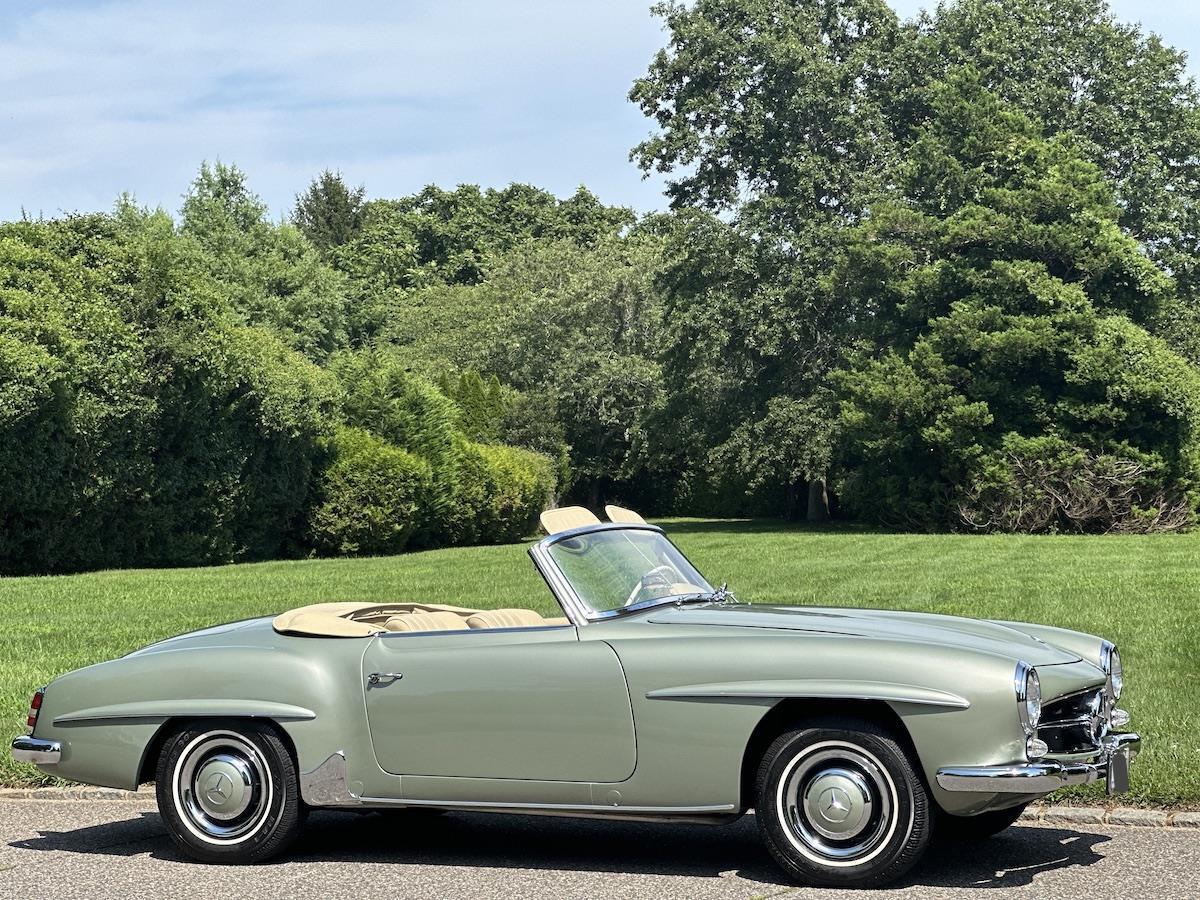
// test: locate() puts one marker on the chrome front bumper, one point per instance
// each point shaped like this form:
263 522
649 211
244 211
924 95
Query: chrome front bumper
1042 777
28 749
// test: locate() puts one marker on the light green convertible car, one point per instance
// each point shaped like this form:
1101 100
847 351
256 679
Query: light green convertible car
853 734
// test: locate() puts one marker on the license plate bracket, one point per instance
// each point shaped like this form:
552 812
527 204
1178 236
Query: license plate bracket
1118 772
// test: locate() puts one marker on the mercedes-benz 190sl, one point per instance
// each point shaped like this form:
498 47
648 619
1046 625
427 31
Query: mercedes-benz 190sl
853 734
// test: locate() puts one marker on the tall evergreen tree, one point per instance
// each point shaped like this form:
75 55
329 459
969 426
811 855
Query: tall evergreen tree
1017 391
330 213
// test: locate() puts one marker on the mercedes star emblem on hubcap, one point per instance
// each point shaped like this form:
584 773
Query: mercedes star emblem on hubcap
835 804
217 789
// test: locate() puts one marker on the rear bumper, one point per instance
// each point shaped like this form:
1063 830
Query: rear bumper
28 749
1112 767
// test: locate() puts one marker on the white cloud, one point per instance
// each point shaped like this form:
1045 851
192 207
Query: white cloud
132 95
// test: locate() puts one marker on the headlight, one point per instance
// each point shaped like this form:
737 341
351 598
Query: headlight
1029 696
1110 662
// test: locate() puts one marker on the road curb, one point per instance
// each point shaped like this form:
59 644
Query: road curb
1049 814
1037 813
73 793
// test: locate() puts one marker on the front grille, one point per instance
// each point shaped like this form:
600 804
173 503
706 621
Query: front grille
1076 723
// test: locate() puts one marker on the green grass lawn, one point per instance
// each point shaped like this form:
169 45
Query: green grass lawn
1142 592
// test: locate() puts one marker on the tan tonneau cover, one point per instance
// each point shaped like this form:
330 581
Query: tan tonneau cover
350 619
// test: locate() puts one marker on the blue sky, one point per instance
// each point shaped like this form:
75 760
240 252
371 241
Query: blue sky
97 98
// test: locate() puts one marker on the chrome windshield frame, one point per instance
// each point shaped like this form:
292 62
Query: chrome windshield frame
577 609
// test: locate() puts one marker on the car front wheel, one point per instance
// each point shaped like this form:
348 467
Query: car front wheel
840 803
228 792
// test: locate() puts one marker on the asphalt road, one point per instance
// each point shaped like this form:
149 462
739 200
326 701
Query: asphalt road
64 850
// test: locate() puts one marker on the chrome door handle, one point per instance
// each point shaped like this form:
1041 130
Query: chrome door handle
379 677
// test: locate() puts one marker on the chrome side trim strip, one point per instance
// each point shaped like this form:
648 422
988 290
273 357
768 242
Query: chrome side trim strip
815 689
326 784
161 709
28 749
568 808
1043 777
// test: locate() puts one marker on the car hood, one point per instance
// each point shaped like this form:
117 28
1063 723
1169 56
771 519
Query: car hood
974 634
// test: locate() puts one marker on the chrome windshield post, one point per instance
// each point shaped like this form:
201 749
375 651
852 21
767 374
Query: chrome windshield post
575 608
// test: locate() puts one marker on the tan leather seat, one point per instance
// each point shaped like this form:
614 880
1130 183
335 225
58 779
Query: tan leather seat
623 516
505 618
567 517
426 621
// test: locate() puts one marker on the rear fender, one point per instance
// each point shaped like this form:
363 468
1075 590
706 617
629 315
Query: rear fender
110 718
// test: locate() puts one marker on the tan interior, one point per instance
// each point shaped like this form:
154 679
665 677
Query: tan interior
365 619
623 516
567 517
426 621
505 618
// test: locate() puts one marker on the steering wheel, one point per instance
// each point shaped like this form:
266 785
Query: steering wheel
663 576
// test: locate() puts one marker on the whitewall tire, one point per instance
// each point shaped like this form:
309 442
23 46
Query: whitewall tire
228 793
839 802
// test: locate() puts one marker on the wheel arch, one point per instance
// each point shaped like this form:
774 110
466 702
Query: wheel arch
148 764
793 711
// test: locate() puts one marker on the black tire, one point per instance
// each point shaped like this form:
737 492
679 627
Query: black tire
879 817
956 829
228 793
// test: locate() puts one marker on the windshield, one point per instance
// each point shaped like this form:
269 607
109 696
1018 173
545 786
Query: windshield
621 568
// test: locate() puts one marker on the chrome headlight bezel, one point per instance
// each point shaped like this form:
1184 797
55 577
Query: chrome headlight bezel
1114 672
1028 688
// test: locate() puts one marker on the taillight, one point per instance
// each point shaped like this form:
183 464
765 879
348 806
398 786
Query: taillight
35 706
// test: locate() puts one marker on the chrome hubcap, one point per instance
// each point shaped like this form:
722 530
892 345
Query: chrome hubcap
838 803
223 788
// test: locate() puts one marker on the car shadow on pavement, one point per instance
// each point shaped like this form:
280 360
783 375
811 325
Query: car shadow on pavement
416 838
1010 859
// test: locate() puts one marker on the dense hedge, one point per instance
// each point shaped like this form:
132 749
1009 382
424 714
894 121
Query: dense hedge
140 421
499 493
371 499
149 417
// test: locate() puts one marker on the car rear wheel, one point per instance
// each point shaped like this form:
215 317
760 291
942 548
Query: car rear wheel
228 792
977 828
840 803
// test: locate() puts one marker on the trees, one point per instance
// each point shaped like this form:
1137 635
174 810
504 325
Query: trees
330 213
270 274
1015 390
1125 95
791 120
141 421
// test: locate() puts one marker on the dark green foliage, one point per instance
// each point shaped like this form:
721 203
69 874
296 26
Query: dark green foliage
483 404
792 120
329 213
499 493
406 410
142 423
460 234
480 493
1124 95
372 498
1018 392
575 329
269 274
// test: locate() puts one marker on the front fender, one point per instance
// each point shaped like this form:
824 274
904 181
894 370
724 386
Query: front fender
1086 646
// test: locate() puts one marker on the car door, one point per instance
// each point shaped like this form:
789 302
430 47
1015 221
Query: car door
525 703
